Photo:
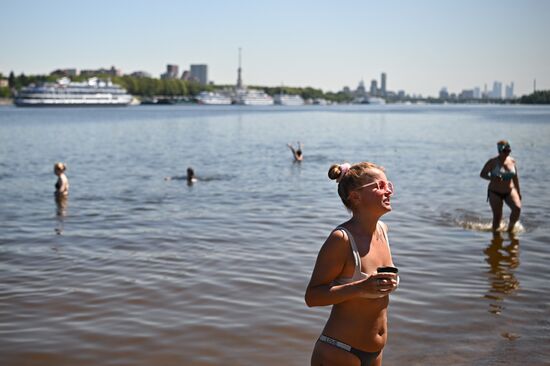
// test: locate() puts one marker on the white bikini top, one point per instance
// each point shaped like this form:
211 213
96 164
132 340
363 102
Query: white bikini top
358 274
502 172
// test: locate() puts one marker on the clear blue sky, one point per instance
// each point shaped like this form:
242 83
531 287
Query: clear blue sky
421 45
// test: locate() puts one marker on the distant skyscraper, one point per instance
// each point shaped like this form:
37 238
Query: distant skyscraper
373 87
466 94
172 72
443 93
477 92
497 90
509 93
200 73
383 83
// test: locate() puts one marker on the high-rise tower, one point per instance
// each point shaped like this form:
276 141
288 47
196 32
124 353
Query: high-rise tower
239 78
373 88
383 84
199 73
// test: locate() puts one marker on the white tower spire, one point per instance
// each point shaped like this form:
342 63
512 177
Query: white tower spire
239 78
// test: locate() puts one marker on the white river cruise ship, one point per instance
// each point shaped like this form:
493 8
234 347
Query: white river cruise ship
94 92
246 96
213 98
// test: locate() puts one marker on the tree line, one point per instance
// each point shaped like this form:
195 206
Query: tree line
145 87
151 87
538 97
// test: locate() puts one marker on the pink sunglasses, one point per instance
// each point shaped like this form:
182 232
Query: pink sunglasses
380 185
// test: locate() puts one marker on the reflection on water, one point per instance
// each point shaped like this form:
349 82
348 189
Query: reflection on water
61 202
503 259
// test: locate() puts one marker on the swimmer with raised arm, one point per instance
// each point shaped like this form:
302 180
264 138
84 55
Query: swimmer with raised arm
62 184
348 273
190 177
297 153
502 174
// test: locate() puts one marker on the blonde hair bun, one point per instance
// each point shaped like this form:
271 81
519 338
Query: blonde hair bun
60 166
334 171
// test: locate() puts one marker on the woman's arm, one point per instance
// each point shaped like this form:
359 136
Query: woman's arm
515 179
329 265
486 171
293 150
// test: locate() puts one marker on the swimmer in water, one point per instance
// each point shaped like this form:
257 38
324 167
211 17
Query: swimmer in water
502 174
191 176
62 184
298 155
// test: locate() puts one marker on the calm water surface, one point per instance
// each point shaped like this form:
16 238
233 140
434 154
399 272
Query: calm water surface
134 269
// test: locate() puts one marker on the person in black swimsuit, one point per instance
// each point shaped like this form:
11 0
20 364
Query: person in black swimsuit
502 174
62 184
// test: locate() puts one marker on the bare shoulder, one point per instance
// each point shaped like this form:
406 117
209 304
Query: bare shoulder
489 165
336 247
493 161
336 241
331 259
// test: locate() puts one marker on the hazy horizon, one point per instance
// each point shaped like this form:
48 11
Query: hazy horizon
422 46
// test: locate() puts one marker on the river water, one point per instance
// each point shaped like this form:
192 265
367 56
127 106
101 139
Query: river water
134 269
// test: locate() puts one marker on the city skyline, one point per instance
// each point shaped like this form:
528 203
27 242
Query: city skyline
421 46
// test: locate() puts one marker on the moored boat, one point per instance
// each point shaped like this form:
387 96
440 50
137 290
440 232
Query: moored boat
252 97
94 92
288 99
213 98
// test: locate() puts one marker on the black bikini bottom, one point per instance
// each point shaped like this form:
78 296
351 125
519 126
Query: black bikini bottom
502 196
366 358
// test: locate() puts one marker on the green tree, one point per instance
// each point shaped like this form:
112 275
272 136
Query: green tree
11 80
5 92
538 97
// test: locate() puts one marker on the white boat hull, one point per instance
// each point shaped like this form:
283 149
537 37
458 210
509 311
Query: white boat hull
253 97
67 93
213 99
290 100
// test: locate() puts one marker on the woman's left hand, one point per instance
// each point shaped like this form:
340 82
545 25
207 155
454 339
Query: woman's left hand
386 282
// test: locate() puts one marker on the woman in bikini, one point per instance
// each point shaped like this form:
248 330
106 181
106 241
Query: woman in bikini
347 274
502 174
62 184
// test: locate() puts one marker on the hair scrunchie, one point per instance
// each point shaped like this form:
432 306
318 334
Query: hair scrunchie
344 168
